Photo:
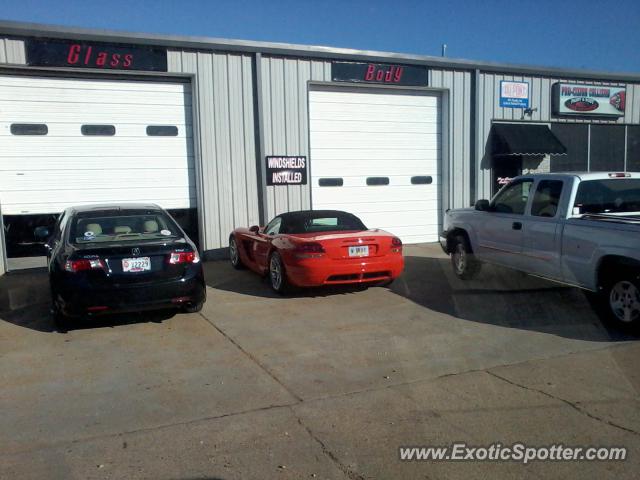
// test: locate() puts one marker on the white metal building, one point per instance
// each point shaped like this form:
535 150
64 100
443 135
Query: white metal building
191 123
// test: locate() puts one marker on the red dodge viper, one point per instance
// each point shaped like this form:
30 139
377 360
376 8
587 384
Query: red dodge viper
317 247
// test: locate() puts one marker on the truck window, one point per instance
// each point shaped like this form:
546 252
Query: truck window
615 195
513 198
547 198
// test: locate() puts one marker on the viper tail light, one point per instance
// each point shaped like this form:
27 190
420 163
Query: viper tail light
83 264
309 250
396 245
183 257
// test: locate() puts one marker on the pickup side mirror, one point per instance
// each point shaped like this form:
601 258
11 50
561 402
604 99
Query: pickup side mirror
254 229
482 205
41 233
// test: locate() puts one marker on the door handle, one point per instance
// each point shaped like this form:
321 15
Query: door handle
517 225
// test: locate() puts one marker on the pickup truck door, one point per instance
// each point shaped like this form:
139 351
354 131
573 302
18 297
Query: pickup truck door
543 226
500 231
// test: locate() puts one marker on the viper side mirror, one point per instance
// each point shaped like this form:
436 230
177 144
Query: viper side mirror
254 229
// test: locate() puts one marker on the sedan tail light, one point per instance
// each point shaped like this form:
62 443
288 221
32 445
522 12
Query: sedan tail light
183 257
309 250
82 264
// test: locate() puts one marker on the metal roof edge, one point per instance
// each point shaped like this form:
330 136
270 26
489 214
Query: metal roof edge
24 29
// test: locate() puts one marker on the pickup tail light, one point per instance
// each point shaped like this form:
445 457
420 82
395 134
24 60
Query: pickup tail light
619 175
83 264
176 258
309 250
396 245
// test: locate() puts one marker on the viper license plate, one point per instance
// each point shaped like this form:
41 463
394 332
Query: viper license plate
359 251
140 264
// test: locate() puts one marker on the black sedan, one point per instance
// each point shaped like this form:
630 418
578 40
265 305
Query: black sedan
106 258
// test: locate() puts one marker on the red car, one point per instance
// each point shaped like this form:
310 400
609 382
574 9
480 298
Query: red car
317 247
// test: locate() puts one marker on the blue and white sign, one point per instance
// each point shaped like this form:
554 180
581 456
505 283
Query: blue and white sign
514 94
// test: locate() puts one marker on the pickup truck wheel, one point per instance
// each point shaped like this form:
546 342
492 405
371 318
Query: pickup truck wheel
465 264
622 297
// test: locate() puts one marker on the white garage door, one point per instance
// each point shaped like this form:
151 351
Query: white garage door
376 154
68 142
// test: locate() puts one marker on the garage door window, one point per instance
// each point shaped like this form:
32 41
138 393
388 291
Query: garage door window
162 131
29 129
330 182
98 130
421 180
377 181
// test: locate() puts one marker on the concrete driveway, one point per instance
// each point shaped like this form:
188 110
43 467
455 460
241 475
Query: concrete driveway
326 384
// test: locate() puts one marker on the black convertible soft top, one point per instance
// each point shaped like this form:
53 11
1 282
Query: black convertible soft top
308 221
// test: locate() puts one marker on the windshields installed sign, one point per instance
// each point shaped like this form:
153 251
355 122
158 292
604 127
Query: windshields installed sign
598 100
285 170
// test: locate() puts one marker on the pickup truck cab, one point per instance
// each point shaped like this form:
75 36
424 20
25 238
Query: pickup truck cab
579 229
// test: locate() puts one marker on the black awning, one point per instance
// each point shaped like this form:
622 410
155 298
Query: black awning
524 139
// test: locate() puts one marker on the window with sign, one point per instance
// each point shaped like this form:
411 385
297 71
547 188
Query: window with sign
513 198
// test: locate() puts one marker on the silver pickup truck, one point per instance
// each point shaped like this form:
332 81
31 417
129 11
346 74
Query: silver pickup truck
579 229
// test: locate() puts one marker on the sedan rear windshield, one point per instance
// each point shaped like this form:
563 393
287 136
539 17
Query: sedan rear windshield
322 222
615 195
123 225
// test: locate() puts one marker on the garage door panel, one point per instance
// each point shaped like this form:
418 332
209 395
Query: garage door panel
95 195
102 84
345 126
386 141
74 130
395 155
347 196
57 206
45 174
356 135
133 149
399 206
66 162
374 168
18 181
121 114
356 99
375 112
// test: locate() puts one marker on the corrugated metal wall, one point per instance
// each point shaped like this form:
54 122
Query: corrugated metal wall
226 173
12 51
286 121
456 162
539 97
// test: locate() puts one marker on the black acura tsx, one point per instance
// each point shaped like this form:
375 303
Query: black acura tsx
109 258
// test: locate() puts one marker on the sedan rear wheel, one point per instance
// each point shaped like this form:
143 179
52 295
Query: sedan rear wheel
277 274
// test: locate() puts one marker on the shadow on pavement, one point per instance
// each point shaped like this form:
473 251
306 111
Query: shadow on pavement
25 302
222 276
503 297
498 296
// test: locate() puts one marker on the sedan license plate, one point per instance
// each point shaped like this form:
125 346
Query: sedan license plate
359 251
139 264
